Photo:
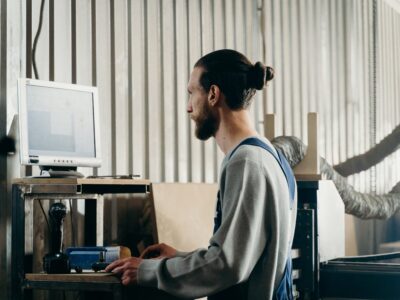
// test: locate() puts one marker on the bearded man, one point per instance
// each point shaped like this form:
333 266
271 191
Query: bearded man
248 256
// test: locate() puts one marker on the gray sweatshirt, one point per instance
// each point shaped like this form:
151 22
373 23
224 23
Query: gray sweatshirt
252 243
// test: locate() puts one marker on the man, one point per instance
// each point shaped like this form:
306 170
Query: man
249 254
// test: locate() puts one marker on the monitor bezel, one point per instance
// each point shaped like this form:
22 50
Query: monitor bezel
47 160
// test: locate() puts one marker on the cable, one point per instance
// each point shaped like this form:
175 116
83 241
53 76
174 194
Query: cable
361 205
72 223
36 40
44 214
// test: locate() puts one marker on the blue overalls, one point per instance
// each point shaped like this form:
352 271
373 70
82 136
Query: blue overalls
284 290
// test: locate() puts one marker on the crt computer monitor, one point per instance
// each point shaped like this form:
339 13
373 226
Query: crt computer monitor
59 126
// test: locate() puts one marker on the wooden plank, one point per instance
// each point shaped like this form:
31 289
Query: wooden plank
310 163
87 181
269 126
308 177
190 227
101 277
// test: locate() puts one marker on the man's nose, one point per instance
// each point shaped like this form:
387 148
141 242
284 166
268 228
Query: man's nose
189 107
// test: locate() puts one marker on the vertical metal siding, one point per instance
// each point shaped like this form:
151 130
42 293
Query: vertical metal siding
140 53
388 81
143 51
4 238
194 41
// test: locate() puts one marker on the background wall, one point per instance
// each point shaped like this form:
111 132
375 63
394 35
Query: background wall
334 57
4 211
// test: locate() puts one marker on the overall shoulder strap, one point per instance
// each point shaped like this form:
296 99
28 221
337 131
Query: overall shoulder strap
284 290
287 170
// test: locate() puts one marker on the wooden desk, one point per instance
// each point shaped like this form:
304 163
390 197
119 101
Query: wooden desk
30 189
76 282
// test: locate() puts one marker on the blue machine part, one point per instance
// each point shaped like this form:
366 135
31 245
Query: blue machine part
84 257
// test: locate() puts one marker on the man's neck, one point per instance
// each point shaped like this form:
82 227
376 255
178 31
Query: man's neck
234 127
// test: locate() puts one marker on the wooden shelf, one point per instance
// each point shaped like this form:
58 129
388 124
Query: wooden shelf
92 277
81 181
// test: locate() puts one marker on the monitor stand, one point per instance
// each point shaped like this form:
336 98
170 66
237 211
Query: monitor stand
59 172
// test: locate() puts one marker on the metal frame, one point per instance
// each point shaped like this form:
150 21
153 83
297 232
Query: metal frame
24 192
306 240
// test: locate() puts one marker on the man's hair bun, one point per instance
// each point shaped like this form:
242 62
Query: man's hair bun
269 74
259 75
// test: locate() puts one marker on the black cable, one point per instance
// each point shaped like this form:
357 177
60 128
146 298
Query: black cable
36 40
44 214
72 223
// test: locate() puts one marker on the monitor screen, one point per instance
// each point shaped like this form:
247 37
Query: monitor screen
58 124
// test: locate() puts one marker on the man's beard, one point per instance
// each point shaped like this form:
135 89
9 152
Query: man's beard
206 123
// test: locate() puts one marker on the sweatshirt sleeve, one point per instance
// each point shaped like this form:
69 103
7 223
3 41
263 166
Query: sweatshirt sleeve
234 249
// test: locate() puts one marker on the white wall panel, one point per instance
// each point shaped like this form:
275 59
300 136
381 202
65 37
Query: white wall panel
62 42
240 26
183 68
103 47
218 43
197 155
277 62
169 90
154 89
208 43
208 25
138 84
296 114
84 45
120 82
143 51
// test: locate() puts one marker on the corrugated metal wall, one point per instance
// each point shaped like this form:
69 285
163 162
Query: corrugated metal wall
320 50
388 89
322 53
140 54
387 106
5 209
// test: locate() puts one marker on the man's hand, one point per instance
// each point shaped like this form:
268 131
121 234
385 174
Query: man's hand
158 251
127 268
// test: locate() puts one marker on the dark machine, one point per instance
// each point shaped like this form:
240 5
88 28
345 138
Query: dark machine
7 146
321 269
56 262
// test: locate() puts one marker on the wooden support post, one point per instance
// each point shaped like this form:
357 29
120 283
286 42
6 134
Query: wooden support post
309 167
269 126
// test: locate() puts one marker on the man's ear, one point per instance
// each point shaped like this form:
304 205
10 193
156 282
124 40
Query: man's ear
214 95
